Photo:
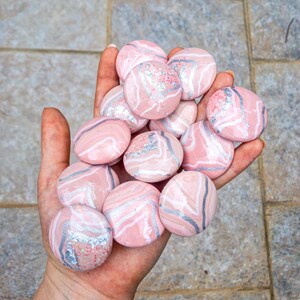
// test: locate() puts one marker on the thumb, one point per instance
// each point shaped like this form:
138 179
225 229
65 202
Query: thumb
55 147
107 77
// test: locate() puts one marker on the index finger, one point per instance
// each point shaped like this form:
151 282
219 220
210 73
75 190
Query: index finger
107 77
223 79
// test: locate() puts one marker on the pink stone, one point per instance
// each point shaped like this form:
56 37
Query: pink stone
115 161
80 237
137 52
152 90
206 151
188 203
237 114
196 69
132 212
101 140
86 184
178 121
153 156
115 105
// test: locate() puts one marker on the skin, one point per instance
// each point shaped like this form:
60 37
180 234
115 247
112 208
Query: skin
120 275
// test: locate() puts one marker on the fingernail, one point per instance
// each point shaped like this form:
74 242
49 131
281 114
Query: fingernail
230 72
111 46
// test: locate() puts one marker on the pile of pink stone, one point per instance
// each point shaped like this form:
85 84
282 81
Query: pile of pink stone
156 97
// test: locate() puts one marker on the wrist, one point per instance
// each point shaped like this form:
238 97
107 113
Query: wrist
60 283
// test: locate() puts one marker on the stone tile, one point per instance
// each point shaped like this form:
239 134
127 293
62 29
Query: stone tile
276 85
269 22
55 24
30 82
284 227
22 257
222 295
231 252
217 26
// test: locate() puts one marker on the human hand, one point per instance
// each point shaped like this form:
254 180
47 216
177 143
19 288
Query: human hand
120 275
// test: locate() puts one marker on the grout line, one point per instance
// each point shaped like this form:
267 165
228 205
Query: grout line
260 160
282 204
203 291
18 205
109 21
249 44
255 61
51 51
259 61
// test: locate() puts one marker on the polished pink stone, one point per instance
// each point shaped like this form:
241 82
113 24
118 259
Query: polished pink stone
237 114
152 90
179 120
81 183
115 105
196 69
153 156
188 203
137 52
80 237
115 161
206 151
101 140
132 212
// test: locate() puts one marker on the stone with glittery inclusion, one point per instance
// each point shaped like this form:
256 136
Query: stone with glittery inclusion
137 52
132 212
205 151
188 203
196 69
237 114
152 90
153 156
115 105
101 140
81 183
80 237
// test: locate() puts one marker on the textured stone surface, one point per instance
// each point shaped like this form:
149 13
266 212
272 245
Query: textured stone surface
22 257
223 295
269 22
277 86
30 82
284 226
79 25
229 253
187 23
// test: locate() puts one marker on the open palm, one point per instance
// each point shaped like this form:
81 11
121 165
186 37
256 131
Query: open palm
120 275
